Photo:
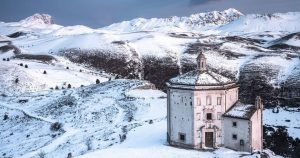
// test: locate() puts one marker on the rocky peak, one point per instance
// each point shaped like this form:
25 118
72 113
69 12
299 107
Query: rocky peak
37 19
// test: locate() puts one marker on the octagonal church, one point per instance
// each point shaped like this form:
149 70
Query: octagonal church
204 112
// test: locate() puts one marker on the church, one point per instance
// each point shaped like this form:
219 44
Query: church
204 112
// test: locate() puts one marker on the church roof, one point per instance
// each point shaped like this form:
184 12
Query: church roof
241 110
200 78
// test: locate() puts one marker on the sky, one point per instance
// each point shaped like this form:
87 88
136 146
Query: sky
99 13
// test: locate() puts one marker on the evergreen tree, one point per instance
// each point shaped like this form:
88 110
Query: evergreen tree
45 72
26 66
97 81
281 143
67 67
69 86
56 87
7 59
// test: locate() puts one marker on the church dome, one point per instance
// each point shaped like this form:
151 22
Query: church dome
201 76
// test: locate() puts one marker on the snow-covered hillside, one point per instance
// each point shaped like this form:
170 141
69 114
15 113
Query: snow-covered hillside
119 117
92 117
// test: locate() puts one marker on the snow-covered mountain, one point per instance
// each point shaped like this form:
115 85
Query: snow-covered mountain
261 52
37 19
195 22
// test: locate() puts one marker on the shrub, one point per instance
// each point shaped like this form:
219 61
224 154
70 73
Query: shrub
41 154
69 86
7 59
56 87
17 80
67 67
97 81
45 72
69 155
80 70
88 144
151 121
122 137
21 64
26 66
4 59
56 126
5 116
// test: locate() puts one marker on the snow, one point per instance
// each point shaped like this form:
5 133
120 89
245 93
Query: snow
200 78
33 79
142 143
197 22
102 112
241 110
293 42
281 119
73 30
255 23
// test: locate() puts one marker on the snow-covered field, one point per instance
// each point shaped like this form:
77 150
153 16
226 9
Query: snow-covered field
126 118
142 143
289 118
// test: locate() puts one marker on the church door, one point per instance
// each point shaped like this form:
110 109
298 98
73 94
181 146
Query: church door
209 137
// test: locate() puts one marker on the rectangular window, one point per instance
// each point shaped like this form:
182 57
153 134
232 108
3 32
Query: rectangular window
198 116
234 124
209 116
219 100
208 100
219 116
181 137
234 137
198 101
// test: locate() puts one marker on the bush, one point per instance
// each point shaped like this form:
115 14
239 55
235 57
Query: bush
80 70
69 155
56 126
88 144
17 80
97 81
122 137
21 64
26 66
69 86
151 121
45 72
4 59
67 67
5 116
7 59
41 154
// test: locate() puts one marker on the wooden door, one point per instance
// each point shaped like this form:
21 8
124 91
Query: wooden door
209 138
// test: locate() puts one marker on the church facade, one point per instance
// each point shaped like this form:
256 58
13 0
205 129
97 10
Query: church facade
204 112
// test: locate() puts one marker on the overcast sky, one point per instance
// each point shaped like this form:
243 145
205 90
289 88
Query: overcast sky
99 13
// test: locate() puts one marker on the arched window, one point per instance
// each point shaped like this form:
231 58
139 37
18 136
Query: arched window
208 100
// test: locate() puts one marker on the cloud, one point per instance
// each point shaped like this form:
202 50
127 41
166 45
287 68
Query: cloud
200 2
